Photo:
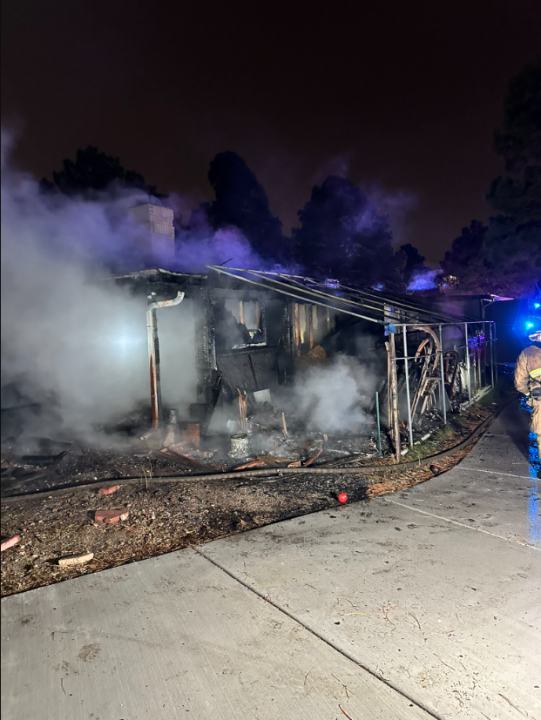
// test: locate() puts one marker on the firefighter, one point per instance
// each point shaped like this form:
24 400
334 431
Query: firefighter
528 381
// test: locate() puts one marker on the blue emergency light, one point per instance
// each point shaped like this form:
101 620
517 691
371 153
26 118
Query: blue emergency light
528 317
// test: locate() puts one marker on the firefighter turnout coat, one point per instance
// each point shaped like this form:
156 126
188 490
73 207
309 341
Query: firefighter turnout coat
528 379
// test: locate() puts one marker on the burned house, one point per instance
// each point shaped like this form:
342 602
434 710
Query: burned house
253 333
229 351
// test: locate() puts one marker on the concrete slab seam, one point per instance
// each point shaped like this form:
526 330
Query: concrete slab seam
495 472
462 525
313 632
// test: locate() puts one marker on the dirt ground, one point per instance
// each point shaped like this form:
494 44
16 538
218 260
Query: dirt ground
167 516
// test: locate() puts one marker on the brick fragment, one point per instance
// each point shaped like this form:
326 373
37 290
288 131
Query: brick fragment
6 544
111 516
108 490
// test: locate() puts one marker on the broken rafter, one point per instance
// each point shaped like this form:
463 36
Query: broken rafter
313 458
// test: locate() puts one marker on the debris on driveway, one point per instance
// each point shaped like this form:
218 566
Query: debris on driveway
111 516
182 512
6 544
108 490
74 560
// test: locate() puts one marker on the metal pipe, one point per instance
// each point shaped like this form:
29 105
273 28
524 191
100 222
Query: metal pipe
378 425
394 397
491 358
304 298
154 355
443 391
357 292
484 352
399 303
406 366
414 325
485 344
368 300
416 357
312 291
389 424
477 369
488 356
495 341
468 369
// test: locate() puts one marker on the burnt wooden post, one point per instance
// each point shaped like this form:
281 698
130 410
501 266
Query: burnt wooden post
406 370
288 338
296 330
468 366
394 395
263 319
205 345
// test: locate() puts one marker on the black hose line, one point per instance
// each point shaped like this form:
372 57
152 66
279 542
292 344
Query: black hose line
271 472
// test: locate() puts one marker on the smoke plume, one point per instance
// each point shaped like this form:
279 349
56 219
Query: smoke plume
226 246
336 397
73 341
424 280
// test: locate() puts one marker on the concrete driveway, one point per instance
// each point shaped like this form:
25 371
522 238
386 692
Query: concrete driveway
417 605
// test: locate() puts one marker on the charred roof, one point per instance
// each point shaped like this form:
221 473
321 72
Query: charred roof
364 303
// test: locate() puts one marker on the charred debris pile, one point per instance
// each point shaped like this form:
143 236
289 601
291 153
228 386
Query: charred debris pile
271 370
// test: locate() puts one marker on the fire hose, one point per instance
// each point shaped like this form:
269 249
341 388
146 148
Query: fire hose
274 472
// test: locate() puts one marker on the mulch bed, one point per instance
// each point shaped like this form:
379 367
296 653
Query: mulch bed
181 513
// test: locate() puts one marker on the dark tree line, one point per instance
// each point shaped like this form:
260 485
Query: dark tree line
341 233
504 256
93 172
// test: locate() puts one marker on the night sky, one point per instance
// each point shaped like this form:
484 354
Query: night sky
402 97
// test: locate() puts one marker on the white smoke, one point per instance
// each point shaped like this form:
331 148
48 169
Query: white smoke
71 338
398 206
336 397
226 246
